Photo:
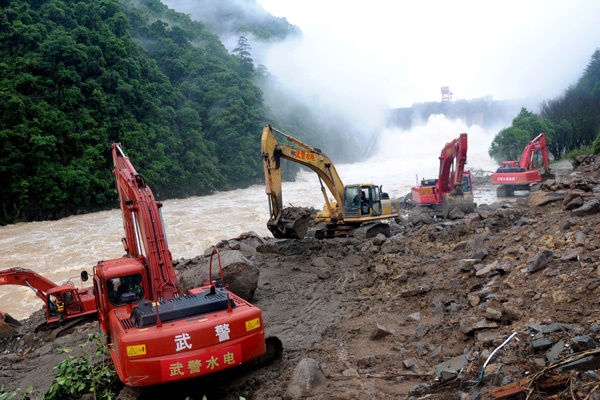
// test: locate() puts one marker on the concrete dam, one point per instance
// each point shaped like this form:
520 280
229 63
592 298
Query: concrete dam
483 112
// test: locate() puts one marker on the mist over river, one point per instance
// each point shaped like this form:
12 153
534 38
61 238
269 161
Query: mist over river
59 250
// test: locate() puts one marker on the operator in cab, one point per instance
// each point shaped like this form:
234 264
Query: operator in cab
361 200
364 202
125 289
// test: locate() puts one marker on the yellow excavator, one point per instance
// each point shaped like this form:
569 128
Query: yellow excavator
356 210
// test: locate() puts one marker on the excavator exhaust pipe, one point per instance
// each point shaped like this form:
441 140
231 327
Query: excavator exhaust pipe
464 202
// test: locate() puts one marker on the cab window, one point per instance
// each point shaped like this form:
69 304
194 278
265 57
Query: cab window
125 289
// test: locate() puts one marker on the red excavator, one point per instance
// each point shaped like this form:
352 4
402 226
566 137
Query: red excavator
157 333
519 175
453 187
63 302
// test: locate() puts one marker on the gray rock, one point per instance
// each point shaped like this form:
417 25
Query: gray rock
455 364
540 198
306 376
588 208
238 272
541 261
410 363
380 332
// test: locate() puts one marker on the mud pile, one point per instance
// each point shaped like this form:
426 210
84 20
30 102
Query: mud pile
497 304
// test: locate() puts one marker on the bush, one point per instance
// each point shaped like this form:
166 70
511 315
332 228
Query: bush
13 395
87 373
596 145
581 151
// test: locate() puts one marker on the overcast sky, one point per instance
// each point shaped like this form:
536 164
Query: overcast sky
398 52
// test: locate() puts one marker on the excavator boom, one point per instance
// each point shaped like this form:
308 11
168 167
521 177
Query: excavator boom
294 150
29 278
144 229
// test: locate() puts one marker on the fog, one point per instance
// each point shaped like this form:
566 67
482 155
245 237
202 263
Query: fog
359 59
403 52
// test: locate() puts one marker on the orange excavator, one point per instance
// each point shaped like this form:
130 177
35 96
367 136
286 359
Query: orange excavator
453 188
519 175
63 302
157 333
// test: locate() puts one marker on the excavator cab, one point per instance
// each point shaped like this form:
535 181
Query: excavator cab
62 301
362 200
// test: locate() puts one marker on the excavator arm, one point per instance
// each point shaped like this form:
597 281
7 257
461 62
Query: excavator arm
295 151
29 278
452 165
144 229
537 144
453 176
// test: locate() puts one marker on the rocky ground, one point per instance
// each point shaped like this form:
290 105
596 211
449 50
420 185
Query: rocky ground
501 303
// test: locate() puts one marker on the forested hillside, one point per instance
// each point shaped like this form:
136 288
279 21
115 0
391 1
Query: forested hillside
76 76
571 121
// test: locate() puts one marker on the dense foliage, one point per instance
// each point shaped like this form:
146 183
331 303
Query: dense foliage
509 143
77 75
570 121
237 17
89 373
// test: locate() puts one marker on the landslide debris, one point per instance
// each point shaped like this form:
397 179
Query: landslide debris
497 304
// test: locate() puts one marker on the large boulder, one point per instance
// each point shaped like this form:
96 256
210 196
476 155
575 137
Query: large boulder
238 272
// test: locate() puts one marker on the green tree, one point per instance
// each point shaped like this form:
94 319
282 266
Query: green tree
242 54
77 76
509 143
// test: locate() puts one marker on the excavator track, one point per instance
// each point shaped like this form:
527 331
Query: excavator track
370 230
274 351
361 232
59 330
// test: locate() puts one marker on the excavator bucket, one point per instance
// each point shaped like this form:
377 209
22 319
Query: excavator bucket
464 202
8 325
290 229
548 175
293 223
